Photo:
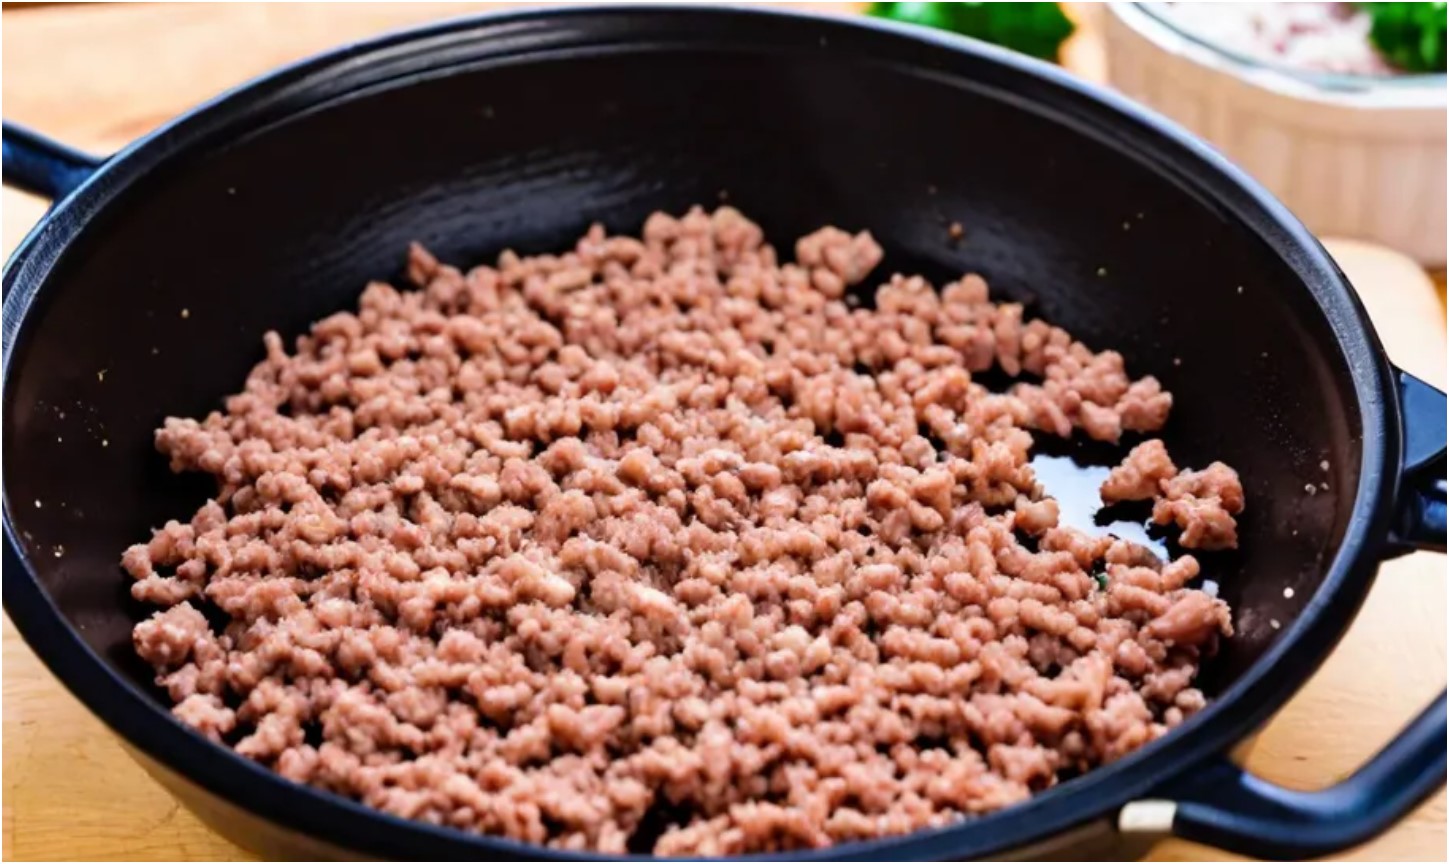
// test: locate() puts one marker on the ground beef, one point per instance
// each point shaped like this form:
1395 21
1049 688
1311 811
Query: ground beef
1141 474
663 545
1202 503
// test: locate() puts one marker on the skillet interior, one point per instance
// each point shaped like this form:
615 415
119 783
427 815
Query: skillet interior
159 307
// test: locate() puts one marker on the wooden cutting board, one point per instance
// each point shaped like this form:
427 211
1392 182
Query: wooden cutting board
98 76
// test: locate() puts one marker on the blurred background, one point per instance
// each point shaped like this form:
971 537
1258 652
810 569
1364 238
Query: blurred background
1339 108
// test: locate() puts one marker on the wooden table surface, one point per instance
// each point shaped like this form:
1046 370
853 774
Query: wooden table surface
99 76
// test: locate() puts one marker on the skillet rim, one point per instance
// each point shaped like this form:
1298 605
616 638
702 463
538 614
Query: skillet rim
394 59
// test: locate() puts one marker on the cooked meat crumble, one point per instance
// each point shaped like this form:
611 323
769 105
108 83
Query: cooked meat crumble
660 545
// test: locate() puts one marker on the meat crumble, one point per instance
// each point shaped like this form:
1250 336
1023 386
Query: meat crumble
1201 503
660 545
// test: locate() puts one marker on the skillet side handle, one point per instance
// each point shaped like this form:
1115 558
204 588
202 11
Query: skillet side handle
42 166
1419 522
1224 806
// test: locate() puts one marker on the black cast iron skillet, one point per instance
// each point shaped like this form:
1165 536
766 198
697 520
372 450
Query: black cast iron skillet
146 289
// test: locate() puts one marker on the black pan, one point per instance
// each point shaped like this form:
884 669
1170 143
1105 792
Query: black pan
272 205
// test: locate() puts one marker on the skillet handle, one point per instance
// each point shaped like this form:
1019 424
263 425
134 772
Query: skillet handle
1419 521
42 166
1222 805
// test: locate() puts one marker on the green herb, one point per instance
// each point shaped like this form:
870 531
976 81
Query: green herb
1101 580
1038 29
1409 35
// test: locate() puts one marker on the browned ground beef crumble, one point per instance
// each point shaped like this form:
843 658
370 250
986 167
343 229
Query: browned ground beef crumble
1202 503
661 544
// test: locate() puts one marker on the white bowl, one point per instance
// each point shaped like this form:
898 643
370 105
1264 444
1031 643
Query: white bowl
1352 156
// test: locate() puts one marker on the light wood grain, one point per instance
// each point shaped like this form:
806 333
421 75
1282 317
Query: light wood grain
99 76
